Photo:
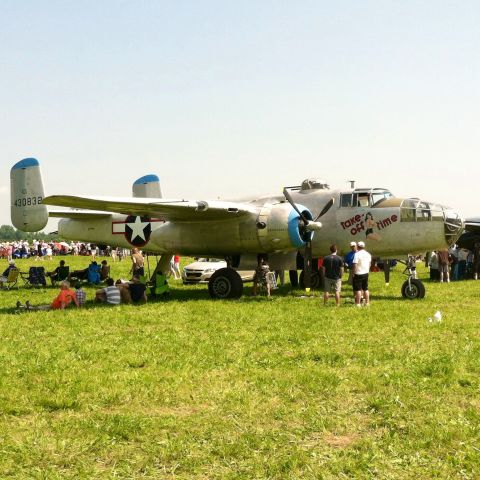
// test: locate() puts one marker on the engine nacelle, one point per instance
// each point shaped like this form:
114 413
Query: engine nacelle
280 227
26 192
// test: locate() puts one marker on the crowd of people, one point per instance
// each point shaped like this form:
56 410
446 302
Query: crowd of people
444 265
453 264
43 250
113 293
358 262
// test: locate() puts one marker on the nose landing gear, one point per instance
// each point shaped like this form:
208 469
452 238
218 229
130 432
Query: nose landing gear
412 288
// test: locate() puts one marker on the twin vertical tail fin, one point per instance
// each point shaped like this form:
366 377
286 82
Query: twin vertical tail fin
147 186
26 192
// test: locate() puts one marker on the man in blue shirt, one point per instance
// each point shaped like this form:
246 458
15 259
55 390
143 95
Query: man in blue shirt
349 261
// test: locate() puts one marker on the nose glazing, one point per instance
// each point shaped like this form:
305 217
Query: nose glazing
453 225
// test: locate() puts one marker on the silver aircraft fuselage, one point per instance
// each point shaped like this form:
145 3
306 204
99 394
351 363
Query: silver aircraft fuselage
391 227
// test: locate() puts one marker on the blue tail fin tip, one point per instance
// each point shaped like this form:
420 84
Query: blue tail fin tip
146 179
25 163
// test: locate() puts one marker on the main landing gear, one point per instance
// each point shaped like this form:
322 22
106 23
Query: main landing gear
225 283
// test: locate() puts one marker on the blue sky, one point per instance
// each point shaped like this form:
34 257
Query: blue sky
224 98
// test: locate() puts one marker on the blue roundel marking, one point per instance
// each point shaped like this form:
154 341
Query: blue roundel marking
293 230
25 163
146 179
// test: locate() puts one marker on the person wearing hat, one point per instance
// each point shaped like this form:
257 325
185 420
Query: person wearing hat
348 260
361 269
4 277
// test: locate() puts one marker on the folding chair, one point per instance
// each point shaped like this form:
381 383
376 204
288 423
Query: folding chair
35 277
12 279
159 286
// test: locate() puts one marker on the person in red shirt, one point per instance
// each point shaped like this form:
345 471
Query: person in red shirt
64 298
60 302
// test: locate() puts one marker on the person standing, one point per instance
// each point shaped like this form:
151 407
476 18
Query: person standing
443 265
349 261
361 268
137 263
262 277
333 272
433 264
176 265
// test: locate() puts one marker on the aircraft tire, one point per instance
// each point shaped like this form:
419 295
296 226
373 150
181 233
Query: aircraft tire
225 283
415 290
316 283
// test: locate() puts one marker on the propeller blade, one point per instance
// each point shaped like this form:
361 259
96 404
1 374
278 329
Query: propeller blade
386 271
307 266
306 221
326 208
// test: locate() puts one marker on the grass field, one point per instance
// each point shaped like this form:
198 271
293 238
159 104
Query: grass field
254 388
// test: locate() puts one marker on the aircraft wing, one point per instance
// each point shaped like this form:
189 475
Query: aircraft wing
472 224
181 210
79 214
471 236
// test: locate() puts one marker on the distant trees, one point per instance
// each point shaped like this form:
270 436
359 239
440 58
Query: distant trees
10 234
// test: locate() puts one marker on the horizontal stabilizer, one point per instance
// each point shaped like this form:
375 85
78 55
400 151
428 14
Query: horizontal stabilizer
180 210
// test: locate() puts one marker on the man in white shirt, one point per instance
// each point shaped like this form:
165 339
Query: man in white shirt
361 267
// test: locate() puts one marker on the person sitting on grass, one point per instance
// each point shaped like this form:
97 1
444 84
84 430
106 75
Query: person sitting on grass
137 290
104 271
60 302
109 295
122 285
261 277
80 294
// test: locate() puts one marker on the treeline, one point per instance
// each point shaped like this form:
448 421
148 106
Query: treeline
10 234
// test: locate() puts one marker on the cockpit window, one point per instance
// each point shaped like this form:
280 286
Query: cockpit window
348 200
414 210
408 209
378 197
364 197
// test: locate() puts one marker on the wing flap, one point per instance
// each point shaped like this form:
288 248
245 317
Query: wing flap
181 210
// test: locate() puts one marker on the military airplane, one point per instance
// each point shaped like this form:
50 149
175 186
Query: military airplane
286 226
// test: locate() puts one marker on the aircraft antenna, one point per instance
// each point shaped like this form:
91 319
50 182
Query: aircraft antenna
352 184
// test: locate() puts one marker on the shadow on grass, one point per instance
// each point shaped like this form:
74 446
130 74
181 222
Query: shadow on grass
179 294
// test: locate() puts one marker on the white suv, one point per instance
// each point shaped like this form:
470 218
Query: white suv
201 271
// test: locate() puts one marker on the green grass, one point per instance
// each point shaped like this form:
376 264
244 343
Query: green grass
270 389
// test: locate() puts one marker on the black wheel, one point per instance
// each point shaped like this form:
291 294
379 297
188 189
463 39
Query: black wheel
416 289
316 282
225 283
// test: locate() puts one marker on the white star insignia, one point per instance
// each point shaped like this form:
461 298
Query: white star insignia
138 228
